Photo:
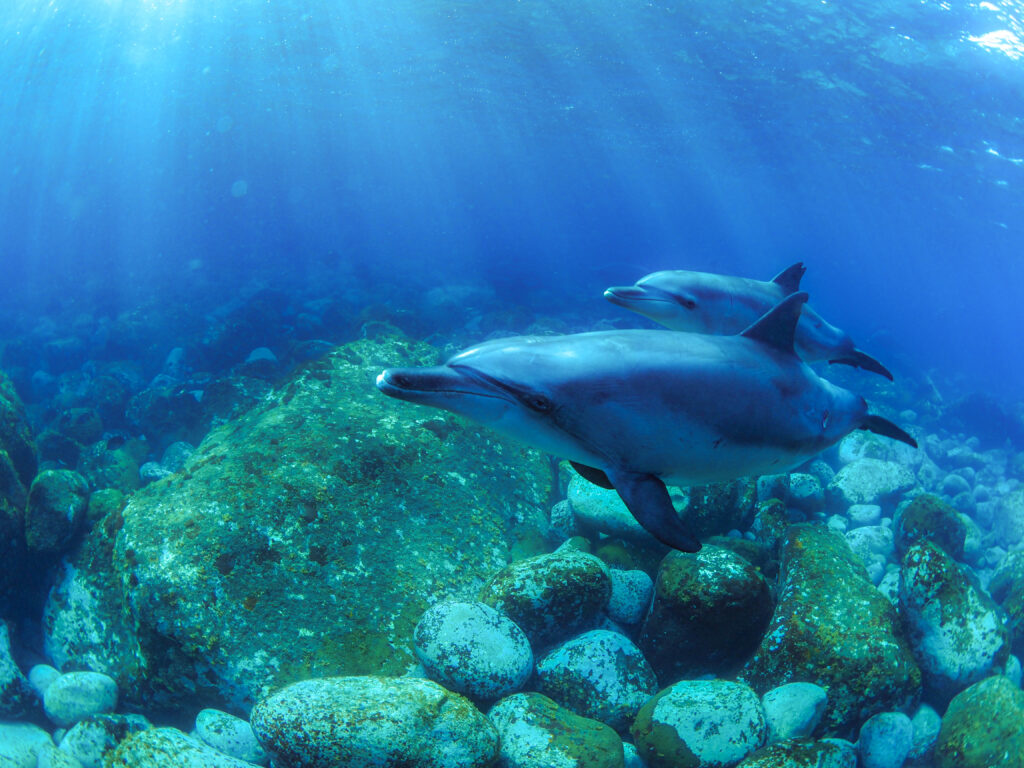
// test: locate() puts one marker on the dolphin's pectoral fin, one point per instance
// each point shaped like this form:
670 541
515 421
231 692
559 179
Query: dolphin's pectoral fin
647 500
880 426
789 279
859 359
593 475
777 327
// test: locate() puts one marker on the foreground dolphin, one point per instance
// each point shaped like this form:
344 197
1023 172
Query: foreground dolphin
637 409
707 303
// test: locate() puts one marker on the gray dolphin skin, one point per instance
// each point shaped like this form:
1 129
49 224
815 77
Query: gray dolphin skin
636 409
703 302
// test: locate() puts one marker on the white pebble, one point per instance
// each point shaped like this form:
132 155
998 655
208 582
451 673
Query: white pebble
230 735
40 677
793 711
75 695
631 595
885 740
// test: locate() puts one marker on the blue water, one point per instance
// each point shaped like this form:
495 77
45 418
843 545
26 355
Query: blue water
171 151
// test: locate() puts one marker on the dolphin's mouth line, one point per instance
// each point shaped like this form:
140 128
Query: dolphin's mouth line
614 296
385 385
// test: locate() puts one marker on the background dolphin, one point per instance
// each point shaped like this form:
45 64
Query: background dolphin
703 302
636 409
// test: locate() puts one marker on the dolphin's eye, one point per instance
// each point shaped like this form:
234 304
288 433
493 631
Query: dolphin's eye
826 417
687 302
537 403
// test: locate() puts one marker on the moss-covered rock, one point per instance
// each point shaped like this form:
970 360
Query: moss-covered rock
720 507
983 727
83 425
954 628
708 614
16 443
832 627
1007 589
551 597
55 513
307 538
803 753
113 463
371 720
535 731
700 724
929 518
167 748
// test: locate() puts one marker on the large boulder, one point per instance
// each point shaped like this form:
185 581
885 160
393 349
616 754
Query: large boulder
870 481
17 468
954 627
929 518
832 627
307 538
708 614
982 727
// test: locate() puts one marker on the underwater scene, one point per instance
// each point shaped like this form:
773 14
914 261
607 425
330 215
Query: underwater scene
434 383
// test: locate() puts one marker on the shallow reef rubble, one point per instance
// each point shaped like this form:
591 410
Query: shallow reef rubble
338 580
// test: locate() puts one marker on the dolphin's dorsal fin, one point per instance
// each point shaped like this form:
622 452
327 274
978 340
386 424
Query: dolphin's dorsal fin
777 326
789 279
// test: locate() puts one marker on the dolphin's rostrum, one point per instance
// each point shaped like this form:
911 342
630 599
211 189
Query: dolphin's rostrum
636 409
703 302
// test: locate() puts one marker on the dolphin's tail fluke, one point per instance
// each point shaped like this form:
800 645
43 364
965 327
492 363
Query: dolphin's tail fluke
859 359
880 426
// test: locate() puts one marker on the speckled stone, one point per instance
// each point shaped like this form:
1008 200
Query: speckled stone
75 695
700 724
870 481
982 727
551 597
953 627
1008 517
793 711
49 756
16 693
708 614
168 748
536 731
885 740
631 595
93 737
805 492
832 627
372 720
864 514
231 735
929 518
600 675
473 649
804 753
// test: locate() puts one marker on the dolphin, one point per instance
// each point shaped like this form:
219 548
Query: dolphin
704 302
636 409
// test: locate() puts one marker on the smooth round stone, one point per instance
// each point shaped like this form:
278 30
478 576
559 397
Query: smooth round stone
19 742
601 675
40 677
75 695
49 756
169 748
473 649
793 711
231 735
885 740
631 595
700 723
538 732
91 738
926 724
864 514
366 721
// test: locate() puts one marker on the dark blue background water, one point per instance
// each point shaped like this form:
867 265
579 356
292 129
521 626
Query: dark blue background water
179 149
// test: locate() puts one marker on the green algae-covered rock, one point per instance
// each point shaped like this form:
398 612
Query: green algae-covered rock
953 626
535 731
17 448
167 748
700 724
983 727
708 614
55 513
113 464
84 625
370 720
803 753
308 537
1007 589
551 597
929 518
720 507
832 627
